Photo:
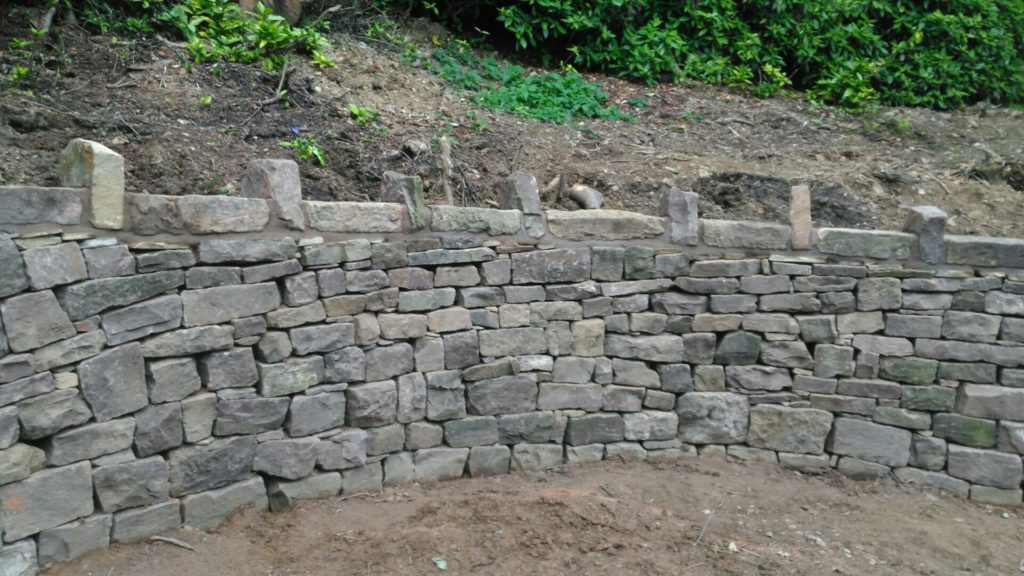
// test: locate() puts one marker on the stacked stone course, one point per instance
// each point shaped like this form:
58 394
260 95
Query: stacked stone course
154 383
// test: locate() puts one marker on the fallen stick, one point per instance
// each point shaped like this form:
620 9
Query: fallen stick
173 541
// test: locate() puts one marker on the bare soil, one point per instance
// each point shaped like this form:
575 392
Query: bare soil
142 98
701 518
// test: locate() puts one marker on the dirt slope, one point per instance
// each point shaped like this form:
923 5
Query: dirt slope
146 101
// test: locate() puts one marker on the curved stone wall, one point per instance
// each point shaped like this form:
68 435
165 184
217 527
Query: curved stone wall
147 382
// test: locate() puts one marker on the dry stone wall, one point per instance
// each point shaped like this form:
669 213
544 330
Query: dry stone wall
151 382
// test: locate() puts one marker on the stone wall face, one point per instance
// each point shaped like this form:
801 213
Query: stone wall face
146 384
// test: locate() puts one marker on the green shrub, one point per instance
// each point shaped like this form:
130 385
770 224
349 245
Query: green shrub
555 97
213 30
936 53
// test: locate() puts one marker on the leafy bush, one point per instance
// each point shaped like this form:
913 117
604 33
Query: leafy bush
212 29
550 97
935 53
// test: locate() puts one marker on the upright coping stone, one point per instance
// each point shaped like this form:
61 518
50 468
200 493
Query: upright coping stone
681 209
408 190
520 192
800 216
277 181
929 223
87 164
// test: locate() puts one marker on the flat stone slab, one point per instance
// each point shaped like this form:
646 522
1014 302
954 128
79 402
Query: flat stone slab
603 225
34 205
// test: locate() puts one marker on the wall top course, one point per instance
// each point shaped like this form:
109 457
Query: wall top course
275 210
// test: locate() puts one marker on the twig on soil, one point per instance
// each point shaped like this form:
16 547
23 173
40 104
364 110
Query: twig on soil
324 14
704 528
446 169
937 181
169 44
279 93
173 541
46 20
736 120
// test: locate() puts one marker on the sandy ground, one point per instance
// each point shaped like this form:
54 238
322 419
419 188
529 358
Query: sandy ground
700 518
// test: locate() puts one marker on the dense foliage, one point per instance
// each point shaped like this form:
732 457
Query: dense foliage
933 53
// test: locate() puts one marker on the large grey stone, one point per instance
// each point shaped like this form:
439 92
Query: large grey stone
372 404
142 319
90 441
189 341
94 296
984 251
871 442
69 351
249 415
996 402
657 348
91 165
224 303
138 483
198 414
34 320
388 361
536 457
680 209
19 462
322 338
504 395
747 378
19 558
736 234
985 467
551 266
603 225
344 450
207 510
138 524
438 464
277 181
46 499
512 342
67 542
738 348
345 365
288 459
248 250
158 427
283 494
316 413
871 243
561 396
233 368
114 382
14 279
650 425
929 224
50 413
171 379
1008 356
713 417
50 266
478 220
34 205
223 214
801 430
595 428
217 464
488 460
293 375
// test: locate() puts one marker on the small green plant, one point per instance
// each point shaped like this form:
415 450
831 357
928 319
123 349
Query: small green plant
306 148
555 97
205 100
19 74
363 115
477 122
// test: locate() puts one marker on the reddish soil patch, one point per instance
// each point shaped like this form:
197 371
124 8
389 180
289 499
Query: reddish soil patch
699 518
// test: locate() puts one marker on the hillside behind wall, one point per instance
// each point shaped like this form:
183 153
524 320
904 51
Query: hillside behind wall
167 360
